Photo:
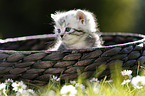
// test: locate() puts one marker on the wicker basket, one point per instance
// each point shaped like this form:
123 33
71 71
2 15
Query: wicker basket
27 58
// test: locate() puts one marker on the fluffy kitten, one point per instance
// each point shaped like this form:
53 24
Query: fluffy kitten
75 29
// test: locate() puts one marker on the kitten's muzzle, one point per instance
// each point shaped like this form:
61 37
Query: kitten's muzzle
64 34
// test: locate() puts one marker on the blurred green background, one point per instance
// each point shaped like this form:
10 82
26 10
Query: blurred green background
32 17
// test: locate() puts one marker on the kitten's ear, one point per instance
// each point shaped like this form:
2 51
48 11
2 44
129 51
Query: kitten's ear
81 16
53 16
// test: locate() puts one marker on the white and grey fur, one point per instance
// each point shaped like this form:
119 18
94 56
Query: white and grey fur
75 29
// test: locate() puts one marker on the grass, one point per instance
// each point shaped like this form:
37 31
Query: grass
121 83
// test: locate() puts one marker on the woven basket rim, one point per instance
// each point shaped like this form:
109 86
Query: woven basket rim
53 36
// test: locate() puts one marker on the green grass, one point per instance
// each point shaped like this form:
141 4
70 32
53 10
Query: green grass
87 87
97 89
101 87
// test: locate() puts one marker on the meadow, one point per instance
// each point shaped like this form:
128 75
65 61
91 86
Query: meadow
121 83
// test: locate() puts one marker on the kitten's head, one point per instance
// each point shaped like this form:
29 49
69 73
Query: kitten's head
67 22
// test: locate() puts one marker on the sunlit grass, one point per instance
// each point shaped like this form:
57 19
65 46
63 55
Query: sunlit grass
121 83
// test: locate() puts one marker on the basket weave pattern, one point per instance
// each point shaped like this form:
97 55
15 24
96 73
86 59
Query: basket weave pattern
26 58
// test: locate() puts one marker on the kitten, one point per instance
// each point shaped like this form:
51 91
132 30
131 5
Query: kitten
75 29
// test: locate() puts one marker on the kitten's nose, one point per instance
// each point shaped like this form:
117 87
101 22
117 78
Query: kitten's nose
62 35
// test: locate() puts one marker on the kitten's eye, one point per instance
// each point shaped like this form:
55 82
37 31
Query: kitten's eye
58 30
67 29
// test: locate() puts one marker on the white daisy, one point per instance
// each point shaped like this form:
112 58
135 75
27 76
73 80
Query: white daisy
138 82
20 90
30 90
94 80
2 86
20 85
125 82
15 86
126 72
73 82
78 85
68 90
9 80
23 86
55 79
